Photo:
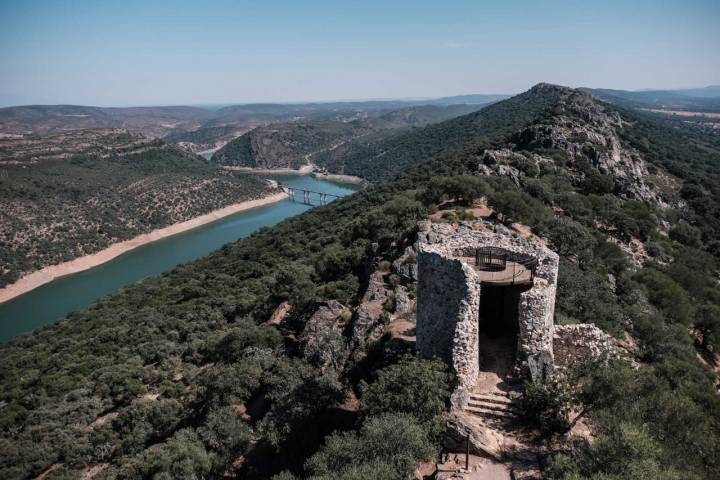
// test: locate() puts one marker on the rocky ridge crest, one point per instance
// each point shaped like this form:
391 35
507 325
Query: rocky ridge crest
587 130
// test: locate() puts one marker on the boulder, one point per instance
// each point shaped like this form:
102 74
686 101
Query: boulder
370 316
322 341
406 265
404 303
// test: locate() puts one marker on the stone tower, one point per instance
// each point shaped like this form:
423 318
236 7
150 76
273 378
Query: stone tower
485 292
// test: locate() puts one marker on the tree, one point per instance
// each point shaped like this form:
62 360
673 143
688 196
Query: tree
571 239
707 322
686 234
226 434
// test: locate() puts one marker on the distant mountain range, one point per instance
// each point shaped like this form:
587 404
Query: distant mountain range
174 120
706 99
200 129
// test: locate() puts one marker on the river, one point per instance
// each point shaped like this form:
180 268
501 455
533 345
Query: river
54 300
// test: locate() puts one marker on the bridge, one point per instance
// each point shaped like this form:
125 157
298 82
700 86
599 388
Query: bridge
308 195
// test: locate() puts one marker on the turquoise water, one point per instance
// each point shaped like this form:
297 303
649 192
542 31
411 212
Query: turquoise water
53 301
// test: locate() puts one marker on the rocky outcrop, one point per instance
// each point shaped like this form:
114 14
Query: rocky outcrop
371 315
463 430
505 162
280 313
404 301
586 129
406 265
322 341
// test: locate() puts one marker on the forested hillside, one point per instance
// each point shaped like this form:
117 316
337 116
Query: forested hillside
195 374
295 144
375 160
287 145
207 138
69 195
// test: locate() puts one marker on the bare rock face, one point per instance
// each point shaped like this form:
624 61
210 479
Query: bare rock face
585 129
370 317
322 340
462 429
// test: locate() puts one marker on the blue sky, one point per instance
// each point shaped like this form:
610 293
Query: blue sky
182 52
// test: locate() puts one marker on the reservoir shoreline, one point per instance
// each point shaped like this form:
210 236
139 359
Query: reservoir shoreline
304 170
47 274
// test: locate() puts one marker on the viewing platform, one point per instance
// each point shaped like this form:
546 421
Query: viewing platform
499 267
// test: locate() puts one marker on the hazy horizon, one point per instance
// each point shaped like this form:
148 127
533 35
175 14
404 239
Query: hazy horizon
191 53
332 100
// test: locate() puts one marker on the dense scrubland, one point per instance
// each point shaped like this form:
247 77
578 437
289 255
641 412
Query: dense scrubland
56 209
180 376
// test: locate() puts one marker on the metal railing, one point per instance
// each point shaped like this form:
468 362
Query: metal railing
494 259
491 259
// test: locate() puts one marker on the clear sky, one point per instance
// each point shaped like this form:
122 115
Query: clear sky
154 52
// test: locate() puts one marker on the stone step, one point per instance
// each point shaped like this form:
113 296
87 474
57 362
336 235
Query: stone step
488 397
494 406
486 412
498 392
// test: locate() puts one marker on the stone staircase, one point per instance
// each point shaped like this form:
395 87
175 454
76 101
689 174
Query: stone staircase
494 405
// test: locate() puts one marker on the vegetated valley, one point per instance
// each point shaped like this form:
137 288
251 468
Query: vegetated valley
290 354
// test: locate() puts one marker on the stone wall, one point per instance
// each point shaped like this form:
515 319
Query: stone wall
447 315
573 343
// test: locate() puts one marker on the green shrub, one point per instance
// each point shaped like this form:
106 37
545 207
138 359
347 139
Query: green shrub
388 446
666 295
686 234
413 386
570 239
544 406
707 322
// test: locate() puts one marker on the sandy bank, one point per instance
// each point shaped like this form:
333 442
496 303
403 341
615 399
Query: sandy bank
304 170
48 274
336 177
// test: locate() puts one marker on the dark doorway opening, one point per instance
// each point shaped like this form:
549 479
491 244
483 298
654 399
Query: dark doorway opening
498 327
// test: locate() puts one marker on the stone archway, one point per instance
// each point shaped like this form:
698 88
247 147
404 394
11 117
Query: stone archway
498 328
